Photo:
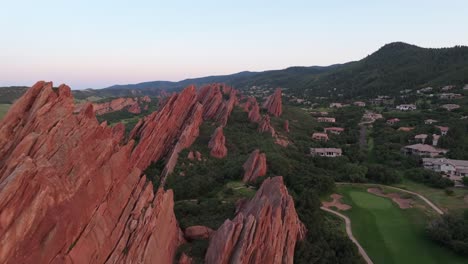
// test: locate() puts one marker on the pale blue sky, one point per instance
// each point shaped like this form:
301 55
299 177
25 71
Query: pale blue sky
99 43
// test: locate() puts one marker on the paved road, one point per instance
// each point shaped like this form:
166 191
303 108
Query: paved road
432 205
350 234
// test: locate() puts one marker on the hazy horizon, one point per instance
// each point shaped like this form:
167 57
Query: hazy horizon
99 44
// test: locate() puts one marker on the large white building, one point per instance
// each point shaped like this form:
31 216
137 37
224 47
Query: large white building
455 169
406 107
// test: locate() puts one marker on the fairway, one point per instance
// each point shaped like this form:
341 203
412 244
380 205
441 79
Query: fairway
390 234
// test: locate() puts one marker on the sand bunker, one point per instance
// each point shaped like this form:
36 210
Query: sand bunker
403 203
336 202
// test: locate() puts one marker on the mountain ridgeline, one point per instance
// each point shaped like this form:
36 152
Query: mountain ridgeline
394 67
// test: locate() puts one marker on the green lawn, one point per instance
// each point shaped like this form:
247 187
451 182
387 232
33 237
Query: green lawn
438 196
3 110
390 234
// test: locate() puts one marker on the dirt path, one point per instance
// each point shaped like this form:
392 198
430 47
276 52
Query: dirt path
432 205
350 234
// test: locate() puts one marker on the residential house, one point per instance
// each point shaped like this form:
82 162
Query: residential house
406 107
405 129
382 100
326 119
393 121
450 96
320 136
421 138
326 152
450 107
423 150
455 169
430 121
360 104
435 140
424 90
334 130
336 105
370 117
443 130
319 113
447 87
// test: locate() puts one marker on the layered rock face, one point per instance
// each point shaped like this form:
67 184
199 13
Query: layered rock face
69 192
167 132
265 126
255 166
273 104
217 144
133 105
265 230
215 107
252 108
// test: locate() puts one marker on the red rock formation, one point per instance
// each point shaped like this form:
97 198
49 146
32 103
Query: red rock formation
145 99
265 126
184 259
215 107
273 103
227 89
198 155
265 230
133 105
69 192
217 144
282 141
255 166
211 98
286 126
197 232
168 131
227 108
134 108
248 104
191 156
254 112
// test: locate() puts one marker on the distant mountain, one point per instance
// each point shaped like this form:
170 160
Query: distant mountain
394 67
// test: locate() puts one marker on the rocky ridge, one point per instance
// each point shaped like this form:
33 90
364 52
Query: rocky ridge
265 229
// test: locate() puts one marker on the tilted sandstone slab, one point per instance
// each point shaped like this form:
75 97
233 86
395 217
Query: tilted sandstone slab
273 104
168 131
265 126
255 166
217 144
214 106
69 192
265 230
133 105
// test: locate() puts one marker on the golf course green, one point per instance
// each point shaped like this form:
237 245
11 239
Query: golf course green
390 234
